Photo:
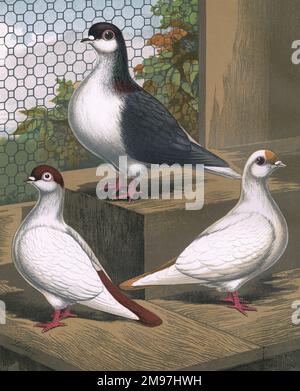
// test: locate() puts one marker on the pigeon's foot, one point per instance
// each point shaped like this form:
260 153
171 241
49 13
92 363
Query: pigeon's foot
68 314
132 191
49 326
53 324
237 305
229 299
118 191
242 308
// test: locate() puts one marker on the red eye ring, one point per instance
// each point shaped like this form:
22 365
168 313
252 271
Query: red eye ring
108 35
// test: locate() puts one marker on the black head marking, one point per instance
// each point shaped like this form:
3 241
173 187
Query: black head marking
106 31
121 79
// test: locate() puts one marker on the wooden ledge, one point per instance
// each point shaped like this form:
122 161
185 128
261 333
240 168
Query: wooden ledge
186 340
98 341
271 327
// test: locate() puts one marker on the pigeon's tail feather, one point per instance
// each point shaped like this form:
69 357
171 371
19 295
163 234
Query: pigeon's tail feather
141 314
199 154
212 162
167 274
226 172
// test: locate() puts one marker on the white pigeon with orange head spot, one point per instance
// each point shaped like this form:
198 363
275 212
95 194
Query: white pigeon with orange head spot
244 243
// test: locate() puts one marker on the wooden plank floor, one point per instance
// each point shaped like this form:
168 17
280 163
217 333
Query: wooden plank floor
98 341
270 327
186 340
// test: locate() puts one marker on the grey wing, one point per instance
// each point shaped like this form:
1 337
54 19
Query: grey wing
152 135
230 249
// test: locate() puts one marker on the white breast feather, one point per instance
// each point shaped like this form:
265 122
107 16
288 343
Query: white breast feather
59 266
94 116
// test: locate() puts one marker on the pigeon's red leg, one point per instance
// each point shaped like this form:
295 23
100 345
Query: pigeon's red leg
117 188
67 314
53 324
120 192
237 305
229 298
131 191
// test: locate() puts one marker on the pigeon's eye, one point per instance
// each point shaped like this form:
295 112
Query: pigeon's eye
260 160
47 176
108 35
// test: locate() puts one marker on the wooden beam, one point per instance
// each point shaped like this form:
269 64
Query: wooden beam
98 341
202 71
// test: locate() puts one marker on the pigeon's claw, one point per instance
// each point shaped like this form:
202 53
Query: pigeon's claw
238 305
131 191
49 326
248 308
117 190
68 314
238 308
53 324
229 299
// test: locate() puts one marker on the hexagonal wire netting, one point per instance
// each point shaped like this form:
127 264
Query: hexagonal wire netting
41 60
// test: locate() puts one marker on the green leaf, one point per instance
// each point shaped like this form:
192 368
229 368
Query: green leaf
186 88
176 78
187 70
148 69
167 54
194 104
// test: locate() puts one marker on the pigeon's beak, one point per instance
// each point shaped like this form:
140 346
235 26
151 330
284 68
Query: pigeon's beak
279 164
30 179
89 39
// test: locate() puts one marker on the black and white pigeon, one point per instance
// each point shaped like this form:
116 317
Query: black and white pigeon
112 116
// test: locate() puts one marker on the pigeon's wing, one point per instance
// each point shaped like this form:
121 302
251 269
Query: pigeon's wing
230 249
152 135
97 262
58 264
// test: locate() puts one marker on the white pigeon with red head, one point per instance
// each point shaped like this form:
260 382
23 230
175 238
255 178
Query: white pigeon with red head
56 260
248 240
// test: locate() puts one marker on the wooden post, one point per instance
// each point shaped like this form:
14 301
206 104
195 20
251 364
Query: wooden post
261 89
202 70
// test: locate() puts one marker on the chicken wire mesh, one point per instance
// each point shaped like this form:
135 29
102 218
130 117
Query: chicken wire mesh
42 61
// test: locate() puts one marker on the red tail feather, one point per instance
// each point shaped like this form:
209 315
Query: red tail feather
146 317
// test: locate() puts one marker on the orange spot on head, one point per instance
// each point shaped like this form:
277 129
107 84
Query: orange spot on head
271 157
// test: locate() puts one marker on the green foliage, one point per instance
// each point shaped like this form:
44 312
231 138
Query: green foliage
50 129
172 74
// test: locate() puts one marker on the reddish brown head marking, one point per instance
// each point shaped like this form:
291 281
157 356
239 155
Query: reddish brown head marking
271 157
38 172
